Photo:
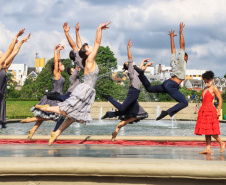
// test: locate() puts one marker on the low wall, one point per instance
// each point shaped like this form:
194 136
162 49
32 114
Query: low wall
150 108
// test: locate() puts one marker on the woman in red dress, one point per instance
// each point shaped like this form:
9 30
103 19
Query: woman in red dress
208 116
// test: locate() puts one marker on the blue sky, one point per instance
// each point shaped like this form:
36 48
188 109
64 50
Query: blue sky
146 22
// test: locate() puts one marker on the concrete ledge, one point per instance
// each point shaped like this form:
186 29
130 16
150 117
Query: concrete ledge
114 167
108 137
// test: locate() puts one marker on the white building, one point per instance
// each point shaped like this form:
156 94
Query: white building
195 74
19 72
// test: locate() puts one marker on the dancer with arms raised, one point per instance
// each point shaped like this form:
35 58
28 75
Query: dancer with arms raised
130 110
171 86
77 107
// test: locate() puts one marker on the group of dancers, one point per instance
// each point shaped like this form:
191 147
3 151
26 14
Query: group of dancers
75 105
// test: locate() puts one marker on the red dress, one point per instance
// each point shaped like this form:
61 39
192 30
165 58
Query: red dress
207 121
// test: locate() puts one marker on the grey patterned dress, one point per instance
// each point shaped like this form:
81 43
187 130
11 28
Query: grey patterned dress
3 83
57 87
78 105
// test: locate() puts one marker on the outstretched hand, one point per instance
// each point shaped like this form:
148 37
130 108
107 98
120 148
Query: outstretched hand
146 60
182 25
150 64
66 29
26 38
77 26
104 25
57 46
61 48
129 43
20 32
171 33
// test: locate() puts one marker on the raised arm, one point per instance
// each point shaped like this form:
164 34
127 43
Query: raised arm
9 60
11 47
182 43
218 95
172 35
97 41
56 65
130 59
70 41
78 39
58 53
142 63
149 64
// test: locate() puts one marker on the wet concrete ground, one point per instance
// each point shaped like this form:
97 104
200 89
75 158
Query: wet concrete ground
112 151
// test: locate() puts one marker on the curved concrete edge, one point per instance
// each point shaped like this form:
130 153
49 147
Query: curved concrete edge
108 137
123 167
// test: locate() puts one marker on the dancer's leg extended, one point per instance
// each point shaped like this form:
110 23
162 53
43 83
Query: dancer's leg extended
132 96
120 125
62 127
147 84
172 89
54 109
35 127
33 119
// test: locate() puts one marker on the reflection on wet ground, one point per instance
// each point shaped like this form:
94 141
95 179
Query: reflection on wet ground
112 151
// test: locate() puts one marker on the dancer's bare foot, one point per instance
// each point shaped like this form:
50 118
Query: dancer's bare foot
42 107
222 147
114 134
53 138
31 133
27 120
205 152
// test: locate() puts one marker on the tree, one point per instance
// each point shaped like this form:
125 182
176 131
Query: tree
225 76
106 63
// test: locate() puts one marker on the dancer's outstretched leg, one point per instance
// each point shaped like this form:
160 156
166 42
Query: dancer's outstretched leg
208 143
33 119
172 89
222 144
120 125
32 131
54 109
132 96
62 127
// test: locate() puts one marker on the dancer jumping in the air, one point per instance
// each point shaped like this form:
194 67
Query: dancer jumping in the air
171 86
77 107
208 116
130 110
58 84
6 60
73 72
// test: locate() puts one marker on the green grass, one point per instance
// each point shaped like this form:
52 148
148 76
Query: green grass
19 109
224 108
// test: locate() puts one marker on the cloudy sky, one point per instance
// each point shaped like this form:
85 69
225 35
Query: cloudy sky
146 22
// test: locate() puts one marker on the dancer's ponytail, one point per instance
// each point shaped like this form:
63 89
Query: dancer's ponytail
82 54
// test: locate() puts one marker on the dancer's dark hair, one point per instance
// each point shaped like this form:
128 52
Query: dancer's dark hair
186 54
82 54
208 75
125 67
69 70
72 55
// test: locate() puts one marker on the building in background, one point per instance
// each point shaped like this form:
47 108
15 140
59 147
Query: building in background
19 73
39 63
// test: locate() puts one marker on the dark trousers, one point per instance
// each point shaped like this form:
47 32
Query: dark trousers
132 96
59 122
169 86
63 97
